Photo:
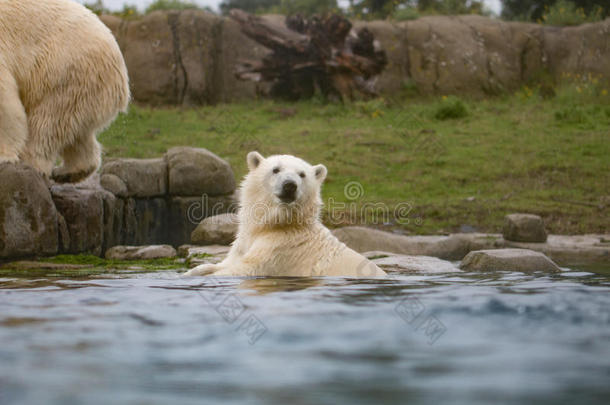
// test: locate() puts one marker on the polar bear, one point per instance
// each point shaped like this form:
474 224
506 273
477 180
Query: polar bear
280 233
62 80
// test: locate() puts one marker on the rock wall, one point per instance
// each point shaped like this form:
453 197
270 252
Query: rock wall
132 202
187 57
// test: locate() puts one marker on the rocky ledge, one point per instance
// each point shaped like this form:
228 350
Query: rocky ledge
131 202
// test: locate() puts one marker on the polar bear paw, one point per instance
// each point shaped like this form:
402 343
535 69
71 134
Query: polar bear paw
201 270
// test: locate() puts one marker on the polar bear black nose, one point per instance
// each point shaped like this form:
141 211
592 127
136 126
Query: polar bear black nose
289 187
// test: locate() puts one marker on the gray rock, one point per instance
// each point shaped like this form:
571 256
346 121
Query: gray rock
187 212
572 250
195 172
217 230
145 221
524 228
523 260
28 218
197 255
451 247
114 184
142 177
404 263
140 252
83 211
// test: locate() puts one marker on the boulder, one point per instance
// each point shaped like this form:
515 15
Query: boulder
572 250
404 263
28 218
83 211
140 252
524 228
198 172
141 177
216 230
451 247
114 184
523 260
185 213
197 255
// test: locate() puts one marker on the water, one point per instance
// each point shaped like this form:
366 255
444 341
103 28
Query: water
154 338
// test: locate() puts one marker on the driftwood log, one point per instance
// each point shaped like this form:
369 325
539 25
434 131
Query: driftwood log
320 53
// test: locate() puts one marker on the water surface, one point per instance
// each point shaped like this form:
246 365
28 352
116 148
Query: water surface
156 338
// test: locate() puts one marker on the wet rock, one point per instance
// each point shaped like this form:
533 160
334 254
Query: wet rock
140 252
523 260
114 184
572 250
142 177
404 263
216 230
83 211
524 228
198 172
28 218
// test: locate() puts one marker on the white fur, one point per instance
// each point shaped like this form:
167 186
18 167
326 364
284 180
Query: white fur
285 239
62 80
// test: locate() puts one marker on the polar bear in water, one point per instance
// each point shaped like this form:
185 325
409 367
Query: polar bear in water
280 233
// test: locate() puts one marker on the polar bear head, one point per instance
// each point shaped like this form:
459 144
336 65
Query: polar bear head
281 190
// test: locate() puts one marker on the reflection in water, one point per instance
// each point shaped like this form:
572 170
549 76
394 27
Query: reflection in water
278 284
158 338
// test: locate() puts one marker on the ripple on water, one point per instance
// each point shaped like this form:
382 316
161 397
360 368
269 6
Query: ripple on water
418 338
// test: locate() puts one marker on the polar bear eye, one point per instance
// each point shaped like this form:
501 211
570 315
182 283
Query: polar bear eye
302 174
276 170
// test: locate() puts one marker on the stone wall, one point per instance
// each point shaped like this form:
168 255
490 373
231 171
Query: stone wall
187 57
132 202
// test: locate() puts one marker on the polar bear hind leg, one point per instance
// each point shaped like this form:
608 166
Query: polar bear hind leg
13 120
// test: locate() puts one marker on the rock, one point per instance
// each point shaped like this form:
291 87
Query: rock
142 177
197 172
187 212
452 247
83 211
187 57
523 260
404 263
217 230
524 228
140 252
197 255
28 218
146 221
64 234
114 184
572 250
114 211
190 250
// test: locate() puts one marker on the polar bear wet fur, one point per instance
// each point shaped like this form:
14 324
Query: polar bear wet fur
62 80
280 233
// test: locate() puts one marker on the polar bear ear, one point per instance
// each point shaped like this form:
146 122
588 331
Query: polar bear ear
320 171
254 159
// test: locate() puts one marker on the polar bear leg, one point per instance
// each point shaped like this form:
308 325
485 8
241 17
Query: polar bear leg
13 121
202 270
81 158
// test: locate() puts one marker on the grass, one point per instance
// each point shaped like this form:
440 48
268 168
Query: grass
91 265
447 163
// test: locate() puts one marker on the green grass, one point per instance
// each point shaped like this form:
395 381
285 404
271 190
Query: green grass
91 265
447 161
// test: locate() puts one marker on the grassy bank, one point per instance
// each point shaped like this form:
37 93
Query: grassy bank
445 163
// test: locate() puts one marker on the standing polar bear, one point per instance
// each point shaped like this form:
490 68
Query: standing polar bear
62 80
280 233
